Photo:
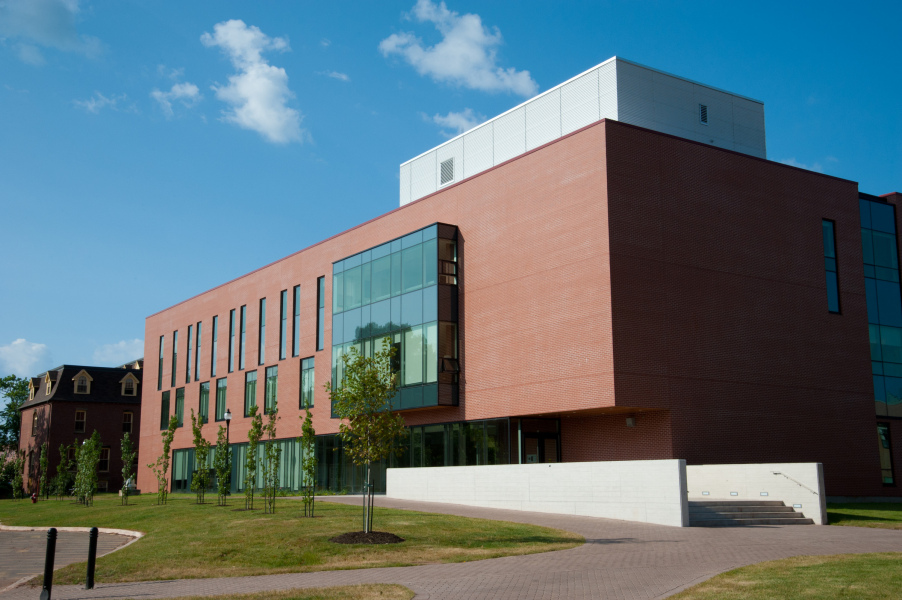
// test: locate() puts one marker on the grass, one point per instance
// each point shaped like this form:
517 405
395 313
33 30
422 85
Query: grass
346 592
186 540
859 576
884 515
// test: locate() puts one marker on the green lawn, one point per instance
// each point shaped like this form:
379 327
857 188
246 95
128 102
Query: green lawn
186 540
884 515
858 576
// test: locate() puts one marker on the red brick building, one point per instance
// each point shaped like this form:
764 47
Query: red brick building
67 404
616 293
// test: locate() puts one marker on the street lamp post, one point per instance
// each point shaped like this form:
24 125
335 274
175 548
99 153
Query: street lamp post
228 420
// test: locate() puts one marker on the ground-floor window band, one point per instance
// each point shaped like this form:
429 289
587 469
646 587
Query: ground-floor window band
886 456
485 442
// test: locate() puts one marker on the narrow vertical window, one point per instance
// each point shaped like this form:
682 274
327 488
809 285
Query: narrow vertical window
188 355
175 356
127 418
103 465
261 347
221 387
180 405
213 354
296 326
34 423
307 383
320 312
80 418
231 340
886 454
829 228
269 398
197 352
164 411
250 392
160 365
283 325
242 333
203 409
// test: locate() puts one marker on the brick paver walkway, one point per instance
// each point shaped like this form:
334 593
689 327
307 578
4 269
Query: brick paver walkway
620 560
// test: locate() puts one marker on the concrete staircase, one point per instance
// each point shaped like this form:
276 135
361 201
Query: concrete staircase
743 513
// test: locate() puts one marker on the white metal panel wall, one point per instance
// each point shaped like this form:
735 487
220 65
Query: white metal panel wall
635 95
543 119
405 184
510 135
455 150
479 150
579 102
423 176
607 91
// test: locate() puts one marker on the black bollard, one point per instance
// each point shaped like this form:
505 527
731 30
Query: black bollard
92 558
48 564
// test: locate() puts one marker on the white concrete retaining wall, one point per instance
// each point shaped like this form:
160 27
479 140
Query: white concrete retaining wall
649 491
797 484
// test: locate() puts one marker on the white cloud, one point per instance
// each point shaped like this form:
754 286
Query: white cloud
186 93
164 71
98 101
335 75
457 122
119 353
47 23
22 358
466 56
325 42
792 162
258 94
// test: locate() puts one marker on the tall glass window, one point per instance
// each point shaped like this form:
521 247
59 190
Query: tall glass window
197 352
886 454
250 392
884 303
261 347
242 338
164 411
180 405
175 355
283 325
269 395
203 408
213 353
296 325
829 231
160 365
231 340
221 386
307 382
320 312
188 355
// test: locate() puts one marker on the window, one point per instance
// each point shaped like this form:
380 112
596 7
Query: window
48 385
80 418
164 411
231 340
127 418
221 385
104 464
261 347
830 265
129 385
180 406
81 386
269 395
34 423
283 325
175 356
241 339
250 392
160 366
320 312
203 409
197 352
213 355
188 355
703 114
307 382
886 454
296 326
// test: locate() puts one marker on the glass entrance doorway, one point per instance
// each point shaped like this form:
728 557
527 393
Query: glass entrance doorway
540 440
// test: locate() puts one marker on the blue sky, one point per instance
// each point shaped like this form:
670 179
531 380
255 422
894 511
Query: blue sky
150 150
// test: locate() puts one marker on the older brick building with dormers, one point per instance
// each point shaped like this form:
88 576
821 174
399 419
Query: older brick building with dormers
68 403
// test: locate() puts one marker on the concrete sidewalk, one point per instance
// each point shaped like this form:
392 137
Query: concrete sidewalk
620 560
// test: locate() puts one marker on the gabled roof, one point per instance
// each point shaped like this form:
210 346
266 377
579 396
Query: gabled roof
106 385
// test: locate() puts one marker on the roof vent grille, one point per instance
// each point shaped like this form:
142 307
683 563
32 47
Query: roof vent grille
447 170
703 114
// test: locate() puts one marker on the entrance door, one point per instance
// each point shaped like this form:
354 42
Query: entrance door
540 448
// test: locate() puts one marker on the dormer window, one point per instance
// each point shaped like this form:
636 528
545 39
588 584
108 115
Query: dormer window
48 385
82 382
129 385
31 390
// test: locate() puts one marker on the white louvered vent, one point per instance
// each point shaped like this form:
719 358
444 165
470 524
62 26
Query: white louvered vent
703 114
448 171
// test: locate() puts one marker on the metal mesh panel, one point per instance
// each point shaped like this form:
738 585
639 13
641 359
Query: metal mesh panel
579 102
422 176
510 136
405 184
478 150
543 119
